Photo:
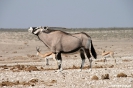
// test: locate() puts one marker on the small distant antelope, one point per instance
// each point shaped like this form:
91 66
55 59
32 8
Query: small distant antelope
106 54
47 56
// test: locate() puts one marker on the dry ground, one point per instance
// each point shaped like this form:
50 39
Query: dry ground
21 68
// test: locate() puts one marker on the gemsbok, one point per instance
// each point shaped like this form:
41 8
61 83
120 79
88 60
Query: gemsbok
106 54
46 56
61 42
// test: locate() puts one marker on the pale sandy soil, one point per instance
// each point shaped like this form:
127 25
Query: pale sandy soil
21 68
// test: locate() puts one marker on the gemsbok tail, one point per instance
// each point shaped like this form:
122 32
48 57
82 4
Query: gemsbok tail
93 52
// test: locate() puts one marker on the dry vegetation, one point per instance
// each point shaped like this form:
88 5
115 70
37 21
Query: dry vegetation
106 76
21 68
121 75
94 78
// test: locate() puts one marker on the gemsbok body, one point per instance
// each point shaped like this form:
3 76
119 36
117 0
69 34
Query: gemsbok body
106 54
46 56
61 42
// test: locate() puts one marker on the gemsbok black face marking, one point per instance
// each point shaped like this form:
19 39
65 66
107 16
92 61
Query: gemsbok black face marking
61 42
35 30
32 29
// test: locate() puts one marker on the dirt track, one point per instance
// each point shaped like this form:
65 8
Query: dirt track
20 67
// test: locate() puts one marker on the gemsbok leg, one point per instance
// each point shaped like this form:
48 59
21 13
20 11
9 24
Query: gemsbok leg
89 57
82 57
59 61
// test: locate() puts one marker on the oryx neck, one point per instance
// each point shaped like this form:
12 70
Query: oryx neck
43 37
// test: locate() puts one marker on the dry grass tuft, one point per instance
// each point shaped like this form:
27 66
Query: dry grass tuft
106 76
21 67
94 78
48 69
98 66
28 55
100 60
111 66
31 68
126 60
121 75
53 81
31 82
14 52
50 83
77 67
8 83
4 67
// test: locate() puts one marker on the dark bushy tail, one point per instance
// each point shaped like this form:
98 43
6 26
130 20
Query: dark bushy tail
93 52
